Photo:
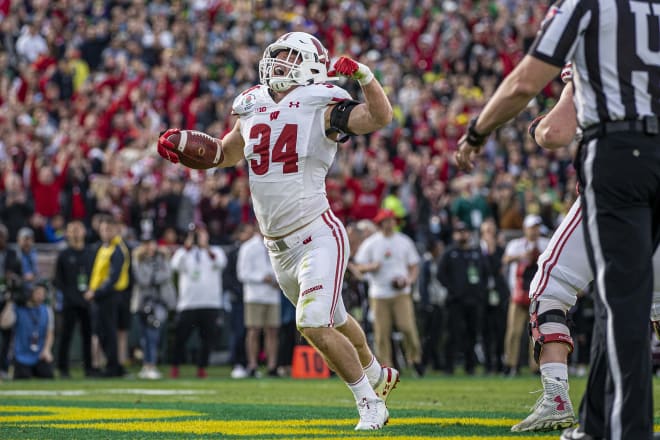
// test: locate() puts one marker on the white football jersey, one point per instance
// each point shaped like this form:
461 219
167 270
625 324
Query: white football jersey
288 154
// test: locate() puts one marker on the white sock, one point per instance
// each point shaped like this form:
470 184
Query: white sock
362 389
556 370
373 371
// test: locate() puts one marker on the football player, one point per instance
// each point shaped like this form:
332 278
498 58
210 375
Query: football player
563 272
287 131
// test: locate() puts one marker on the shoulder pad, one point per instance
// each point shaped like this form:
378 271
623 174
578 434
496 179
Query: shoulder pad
247 101
324 94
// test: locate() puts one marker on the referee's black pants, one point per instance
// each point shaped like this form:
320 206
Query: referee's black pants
620 182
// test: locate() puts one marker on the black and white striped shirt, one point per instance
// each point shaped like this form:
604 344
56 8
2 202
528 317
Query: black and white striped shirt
615 49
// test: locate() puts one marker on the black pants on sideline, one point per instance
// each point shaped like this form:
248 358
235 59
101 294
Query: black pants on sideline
105 315
237 354
620 182
42 370
71 315
185 322
492 333
431 328
463 322
6 336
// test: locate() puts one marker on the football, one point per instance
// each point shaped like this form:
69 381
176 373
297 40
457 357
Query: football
196 149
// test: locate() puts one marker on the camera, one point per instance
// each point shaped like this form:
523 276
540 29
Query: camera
15 289
398 283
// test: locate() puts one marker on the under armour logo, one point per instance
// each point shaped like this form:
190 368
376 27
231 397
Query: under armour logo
560 403
274 115
294 104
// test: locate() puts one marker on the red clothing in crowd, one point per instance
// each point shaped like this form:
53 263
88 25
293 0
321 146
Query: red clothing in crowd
46 195
366 201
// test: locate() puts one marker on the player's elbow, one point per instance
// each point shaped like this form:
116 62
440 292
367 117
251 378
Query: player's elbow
552 137
383 117
523 86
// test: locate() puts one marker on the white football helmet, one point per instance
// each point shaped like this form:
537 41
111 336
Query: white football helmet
307 62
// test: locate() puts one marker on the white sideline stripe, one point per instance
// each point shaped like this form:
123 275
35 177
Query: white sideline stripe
75 393
615 368
44 393
182 140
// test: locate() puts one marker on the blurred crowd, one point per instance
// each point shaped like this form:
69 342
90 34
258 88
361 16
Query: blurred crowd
87 87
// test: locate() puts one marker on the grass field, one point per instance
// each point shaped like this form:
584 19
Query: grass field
219 407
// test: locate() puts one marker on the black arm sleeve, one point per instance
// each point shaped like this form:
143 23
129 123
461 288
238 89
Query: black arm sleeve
339 119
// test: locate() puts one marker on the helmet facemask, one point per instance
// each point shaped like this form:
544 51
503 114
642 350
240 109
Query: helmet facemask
304 63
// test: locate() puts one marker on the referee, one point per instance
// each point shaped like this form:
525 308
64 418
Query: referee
614 47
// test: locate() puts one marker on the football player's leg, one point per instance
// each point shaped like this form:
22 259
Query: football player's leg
320 310
563 272
382 379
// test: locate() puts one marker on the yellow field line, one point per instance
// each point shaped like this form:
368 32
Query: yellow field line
131 420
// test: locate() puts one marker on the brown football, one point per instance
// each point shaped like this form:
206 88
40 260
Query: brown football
196 149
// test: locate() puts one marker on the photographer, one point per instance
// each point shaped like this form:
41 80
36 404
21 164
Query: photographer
200 269
34 335
153 297
10 283
391 262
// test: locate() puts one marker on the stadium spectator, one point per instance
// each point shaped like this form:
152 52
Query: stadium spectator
431 305
288 337
470 206
153 297
494 323
10 284
31 45
109 280
27 254
391 264
520 256
464 272
47 183
234 294
261 298
16 206
34 334
199 267
72 269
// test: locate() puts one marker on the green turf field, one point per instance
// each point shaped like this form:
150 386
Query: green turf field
219 407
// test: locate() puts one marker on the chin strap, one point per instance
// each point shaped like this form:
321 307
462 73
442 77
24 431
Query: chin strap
535 322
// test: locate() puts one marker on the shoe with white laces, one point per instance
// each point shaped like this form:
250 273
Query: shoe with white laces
575 433
153 374
144 372
389 377
552 411
373 414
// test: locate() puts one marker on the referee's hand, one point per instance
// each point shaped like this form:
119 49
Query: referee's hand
465 154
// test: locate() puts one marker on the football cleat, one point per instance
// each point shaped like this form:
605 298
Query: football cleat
388 380
373 414
552 411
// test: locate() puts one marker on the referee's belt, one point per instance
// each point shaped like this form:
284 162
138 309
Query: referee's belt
648 125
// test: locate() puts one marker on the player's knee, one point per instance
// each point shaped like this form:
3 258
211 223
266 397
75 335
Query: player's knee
548 326
317 336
